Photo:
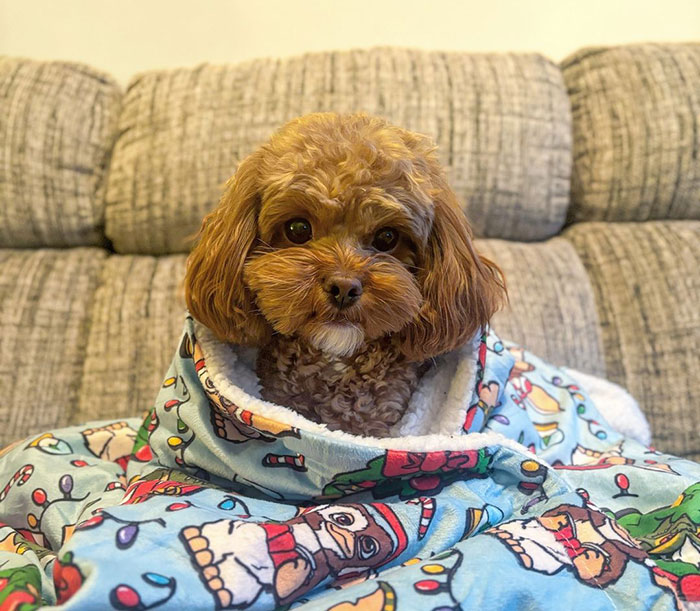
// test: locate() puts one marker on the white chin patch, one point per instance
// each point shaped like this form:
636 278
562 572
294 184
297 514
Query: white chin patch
337 339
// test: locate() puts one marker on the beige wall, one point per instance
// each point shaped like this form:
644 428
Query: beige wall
128 36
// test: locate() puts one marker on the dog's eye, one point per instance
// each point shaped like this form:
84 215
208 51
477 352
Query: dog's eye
298 231
385 239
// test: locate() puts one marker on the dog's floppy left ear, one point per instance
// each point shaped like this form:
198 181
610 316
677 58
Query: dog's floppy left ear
215 291
461 289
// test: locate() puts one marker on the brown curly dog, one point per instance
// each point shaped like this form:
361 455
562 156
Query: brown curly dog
340 251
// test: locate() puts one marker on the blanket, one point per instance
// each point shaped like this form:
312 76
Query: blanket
504 486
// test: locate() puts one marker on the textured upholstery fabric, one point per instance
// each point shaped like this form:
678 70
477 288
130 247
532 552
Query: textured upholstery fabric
647 288
636 117
502 123
45 299
57 127
551 308
137 320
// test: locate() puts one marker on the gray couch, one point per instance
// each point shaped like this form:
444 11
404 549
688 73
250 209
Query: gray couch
582 181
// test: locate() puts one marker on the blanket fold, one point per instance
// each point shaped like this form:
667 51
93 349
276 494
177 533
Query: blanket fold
514 490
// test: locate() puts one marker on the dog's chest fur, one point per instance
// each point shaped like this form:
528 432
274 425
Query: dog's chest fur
364 394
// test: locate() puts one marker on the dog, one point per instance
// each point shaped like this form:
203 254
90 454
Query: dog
339 250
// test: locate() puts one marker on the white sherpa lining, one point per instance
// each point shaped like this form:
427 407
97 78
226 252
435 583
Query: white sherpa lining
439 403
227 363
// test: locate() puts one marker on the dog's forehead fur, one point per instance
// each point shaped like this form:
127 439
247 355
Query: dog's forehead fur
361 173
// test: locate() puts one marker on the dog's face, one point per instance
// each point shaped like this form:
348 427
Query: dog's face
340 230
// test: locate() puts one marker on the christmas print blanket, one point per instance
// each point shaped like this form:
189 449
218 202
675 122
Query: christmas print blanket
503 487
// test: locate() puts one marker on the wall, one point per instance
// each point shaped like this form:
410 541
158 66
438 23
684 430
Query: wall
127 36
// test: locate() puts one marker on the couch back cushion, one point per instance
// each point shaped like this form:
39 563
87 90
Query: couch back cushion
57 127
46 298
551 307
138 312
636 119
502 123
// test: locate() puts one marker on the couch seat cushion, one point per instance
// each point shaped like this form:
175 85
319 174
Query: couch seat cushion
551 308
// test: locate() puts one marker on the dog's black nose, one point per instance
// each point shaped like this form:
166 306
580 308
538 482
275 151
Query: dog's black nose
343 290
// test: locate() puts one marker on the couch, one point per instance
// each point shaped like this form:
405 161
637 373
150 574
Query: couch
581 179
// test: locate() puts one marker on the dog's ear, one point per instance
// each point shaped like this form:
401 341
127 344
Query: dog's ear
461 289
215 292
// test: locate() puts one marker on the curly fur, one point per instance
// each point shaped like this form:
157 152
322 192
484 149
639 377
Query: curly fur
367 391
348 175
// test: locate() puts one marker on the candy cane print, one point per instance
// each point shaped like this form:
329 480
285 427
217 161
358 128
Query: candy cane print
20 477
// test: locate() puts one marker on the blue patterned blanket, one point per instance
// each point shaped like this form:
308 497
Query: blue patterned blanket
516 494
